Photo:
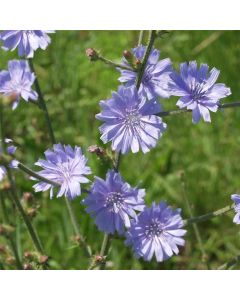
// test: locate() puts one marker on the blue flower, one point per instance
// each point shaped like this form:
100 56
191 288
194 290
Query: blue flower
198 90
27 41
236 199
156 74
113 202
65 166
17 82
157 230
130 121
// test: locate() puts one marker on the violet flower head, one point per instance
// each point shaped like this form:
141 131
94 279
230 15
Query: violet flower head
236 199
66 166
112 202
157 230
130 121
198 90
17 82
27 41
156 74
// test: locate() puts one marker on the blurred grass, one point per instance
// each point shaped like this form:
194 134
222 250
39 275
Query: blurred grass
208 154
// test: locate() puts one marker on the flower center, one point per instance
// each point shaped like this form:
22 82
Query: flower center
114 198
197 90
153 229
66 172
132 118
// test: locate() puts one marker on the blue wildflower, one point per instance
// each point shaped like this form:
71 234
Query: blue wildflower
113 202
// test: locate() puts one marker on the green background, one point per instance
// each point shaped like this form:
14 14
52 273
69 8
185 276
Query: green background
208 154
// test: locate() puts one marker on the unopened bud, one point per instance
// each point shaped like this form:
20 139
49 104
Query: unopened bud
3 249
43 259
28 255
28 197
27 267
10 260
100 259
92 54
127 54
138 62
96 149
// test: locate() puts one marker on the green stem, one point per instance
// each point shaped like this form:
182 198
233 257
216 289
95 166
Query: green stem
209 216
185 110
231 264
26 220
43 105
151 39
33 174
10 237
140 38
117 161
113 64
87 248
13 191
195 226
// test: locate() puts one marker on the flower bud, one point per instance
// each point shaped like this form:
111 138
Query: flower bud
28 197
96 149
27 267
127 54
43 259
28 255
92 54
3 249
10 260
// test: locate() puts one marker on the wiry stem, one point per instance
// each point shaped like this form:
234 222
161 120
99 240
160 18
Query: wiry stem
151 39
185 110
13 191
86 247
195 227
113 64
11 238
140 38
231 264
209 216
26 220
43 105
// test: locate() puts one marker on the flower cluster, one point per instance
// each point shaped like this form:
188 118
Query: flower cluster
131 122
114 203
27 41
